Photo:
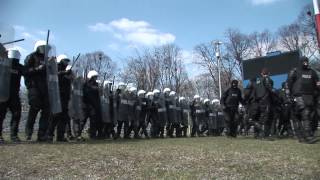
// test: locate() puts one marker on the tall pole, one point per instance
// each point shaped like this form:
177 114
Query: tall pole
218 56
317 19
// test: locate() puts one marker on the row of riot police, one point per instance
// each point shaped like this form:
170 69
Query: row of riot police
126 111
65 100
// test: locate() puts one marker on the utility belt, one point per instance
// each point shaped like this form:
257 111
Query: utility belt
199 111
130 103
161 110
186 111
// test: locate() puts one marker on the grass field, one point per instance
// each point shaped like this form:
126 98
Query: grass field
183 158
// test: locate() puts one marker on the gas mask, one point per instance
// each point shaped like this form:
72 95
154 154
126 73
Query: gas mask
305 65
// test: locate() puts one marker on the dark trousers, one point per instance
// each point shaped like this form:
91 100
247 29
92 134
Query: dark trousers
195 127
125 125
142 125
175 126
43 122
59 122
231 117
14 105
284 125
108 130
263 122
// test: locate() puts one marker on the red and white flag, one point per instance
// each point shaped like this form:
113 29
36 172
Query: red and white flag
317 19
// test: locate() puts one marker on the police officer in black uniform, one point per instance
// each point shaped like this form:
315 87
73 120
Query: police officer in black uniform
60 120
263 98
13 103
91 98
251 105
303 85
285 114
230 101
37 86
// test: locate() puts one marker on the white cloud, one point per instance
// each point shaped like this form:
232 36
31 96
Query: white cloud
263 2
99 27
134 32
19 28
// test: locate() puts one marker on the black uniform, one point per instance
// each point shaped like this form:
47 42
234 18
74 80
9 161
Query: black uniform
303 85
36 83
13 103
172 114
60 120
250 116
230 101
132 115
159 116
91 99
285 115
196 112
141 114
122 109
263 97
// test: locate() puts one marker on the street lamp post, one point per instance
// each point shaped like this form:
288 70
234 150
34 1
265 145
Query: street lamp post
218 56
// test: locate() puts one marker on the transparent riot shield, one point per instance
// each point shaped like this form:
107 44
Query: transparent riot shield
53 81
76 103
7 34
105 103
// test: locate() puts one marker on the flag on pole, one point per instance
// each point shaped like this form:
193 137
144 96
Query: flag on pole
317 19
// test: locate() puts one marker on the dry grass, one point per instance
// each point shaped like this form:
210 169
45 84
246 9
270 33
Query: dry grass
185 158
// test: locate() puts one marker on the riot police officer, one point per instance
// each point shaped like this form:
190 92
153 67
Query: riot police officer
141 112
159 115
122 110
263 97
168 119
302 83
185 111
133 120
108 114
230 101
13 103
195 115
173 115
36 83
91 98
285 115
60 120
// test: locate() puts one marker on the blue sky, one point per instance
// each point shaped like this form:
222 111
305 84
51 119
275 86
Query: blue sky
119 26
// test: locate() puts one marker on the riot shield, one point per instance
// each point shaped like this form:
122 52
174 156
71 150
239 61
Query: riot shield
53 81
172 111
185 114
76 103
212 119
7 34
105 105
162 111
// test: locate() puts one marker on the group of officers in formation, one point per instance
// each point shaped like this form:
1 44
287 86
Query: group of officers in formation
123 111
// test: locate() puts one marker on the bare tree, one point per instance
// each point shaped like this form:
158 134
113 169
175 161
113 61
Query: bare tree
205 57
157 68
262 42
237 48
99 62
